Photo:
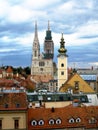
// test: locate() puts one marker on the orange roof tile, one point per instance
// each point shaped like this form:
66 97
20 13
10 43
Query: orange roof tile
0 71
78 114
9 70
13 101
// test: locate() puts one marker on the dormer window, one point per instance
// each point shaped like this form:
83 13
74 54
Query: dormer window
92 120
33 122
71 120
6 105
51 122
41 122
17 105
78 120
58 121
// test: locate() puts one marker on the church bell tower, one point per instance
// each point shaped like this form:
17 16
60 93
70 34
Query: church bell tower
62 63
48 45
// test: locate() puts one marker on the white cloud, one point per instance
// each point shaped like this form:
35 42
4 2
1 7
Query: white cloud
7 50
39 4
18 14
4 7
89 29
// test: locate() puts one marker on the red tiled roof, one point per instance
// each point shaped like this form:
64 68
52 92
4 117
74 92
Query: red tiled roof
9 70
6 82
0 71
13 101
65 114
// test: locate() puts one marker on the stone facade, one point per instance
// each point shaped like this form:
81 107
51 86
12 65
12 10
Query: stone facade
42 64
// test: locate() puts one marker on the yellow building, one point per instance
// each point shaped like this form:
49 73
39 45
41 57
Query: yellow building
62 64
76 84
13 111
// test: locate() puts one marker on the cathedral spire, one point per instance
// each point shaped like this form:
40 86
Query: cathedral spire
36 45
48 25
36 33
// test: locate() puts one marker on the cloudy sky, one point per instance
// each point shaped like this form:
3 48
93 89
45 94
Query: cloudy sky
77 19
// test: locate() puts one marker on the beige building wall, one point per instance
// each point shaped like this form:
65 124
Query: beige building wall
57 104
9 117
62 70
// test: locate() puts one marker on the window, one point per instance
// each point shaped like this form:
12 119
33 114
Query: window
62 73
51 122
16 124
41 69
33 122
17 105
6 105
51 84
71 120
61 98
92 120
62 65
77 85
78 120
90 100
0 124
35 54
58 121
41 122
41 63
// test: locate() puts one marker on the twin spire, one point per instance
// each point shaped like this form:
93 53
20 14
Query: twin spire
36 32
62 49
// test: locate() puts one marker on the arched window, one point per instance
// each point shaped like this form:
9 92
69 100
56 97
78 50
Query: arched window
71 120
41 122
78 120
92 120
58 121
62 65
51 122
33 122
35 53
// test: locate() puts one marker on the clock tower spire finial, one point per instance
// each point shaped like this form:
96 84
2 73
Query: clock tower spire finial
62 49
